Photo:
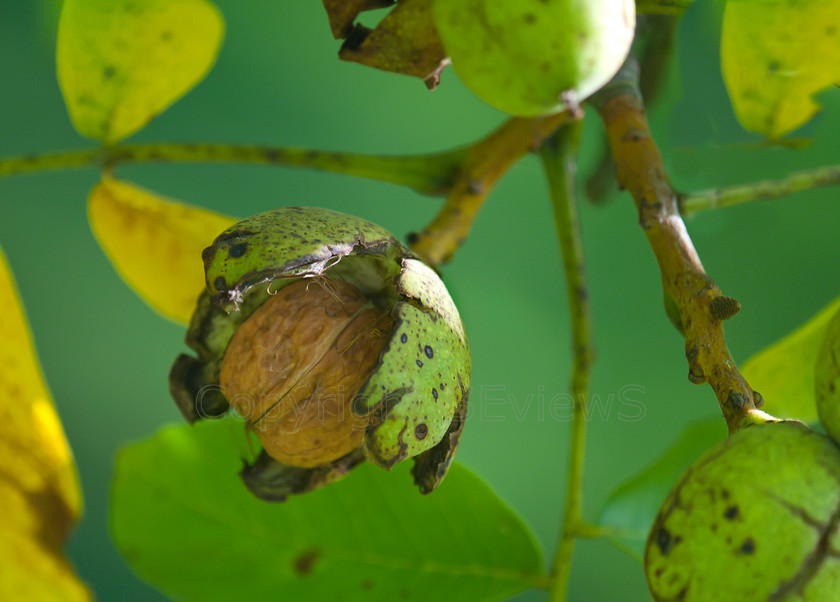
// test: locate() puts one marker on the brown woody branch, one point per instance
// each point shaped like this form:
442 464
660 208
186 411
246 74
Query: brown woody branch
640 170
486 162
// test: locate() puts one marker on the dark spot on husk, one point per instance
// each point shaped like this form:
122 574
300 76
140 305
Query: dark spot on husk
238 250
421 430
748 546
664 541
429 352
419 364
434 393
220 283
731 513
404 338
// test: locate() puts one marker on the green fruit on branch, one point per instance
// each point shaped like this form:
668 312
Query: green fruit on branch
755 518
334 343
535 57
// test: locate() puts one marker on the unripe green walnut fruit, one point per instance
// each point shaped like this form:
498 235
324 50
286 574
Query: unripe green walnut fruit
334 342
755 518
533 57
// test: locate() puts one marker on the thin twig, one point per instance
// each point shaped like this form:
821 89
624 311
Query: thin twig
642 173
718 198
429 174
15 166
486 162
559 156
654 45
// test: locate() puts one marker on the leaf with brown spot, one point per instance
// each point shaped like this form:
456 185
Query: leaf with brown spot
342 13
39 489
304 563
405 41
369 534
155 243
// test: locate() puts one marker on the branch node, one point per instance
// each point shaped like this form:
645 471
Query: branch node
696 375
737 401
723 307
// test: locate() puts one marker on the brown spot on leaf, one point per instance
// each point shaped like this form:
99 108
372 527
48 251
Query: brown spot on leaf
731 513
305 563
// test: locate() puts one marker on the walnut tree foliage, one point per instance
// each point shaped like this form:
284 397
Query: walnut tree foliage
178 511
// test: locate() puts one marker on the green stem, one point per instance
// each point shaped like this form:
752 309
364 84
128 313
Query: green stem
428 174
559 155
718 198
587 531
13 166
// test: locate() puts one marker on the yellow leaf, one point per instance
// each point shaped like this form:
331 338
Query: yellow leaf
154 243
776 54
784 372
121 62
39 488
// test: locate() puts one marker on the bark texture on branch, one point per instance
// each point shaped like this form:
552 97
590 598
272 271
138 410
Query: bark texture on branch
640 170
486 162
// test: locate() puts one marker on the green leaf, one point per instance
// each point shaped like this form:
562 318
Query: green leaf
632 506
369 535
827 381
121 62
784 372
776 54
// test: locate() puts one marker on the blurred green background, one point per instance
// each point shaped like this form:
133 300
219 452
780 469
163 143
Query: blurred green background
278 81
